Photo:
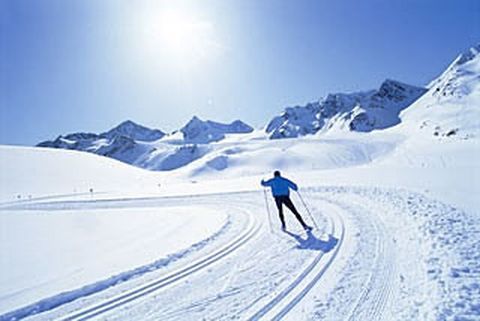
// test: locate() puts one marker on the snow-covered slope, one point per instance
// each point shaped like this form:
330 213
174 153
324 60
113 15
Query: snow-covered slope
166 157
38 172
257 157
451 107
363 111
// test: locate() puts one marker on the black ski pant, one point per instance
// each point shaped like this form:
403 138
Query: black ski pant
280 200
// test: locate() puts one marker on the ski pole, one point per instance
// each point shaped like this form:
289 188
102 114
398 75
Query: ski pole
268 210
308 211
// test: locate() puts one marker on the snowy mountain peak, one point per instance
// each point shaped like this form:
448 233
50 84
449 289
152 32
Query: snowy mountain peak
134 131
394 95
396 90
119 143
199 131
450 107
446 84
468 55
360 111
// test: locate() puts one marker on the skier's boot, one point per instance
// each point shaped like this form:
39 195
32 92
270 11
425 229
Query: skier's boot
307 228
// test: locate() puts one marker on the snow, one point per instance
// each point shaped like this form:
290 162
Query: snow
397 210
260 157
168 157
88 250
42 172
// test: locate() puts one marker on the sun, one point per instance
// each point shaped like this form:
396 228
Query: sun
179 32
179 36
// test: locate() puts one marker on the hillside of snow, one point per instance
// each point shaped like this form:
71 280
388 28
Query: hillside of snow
33 172
451 107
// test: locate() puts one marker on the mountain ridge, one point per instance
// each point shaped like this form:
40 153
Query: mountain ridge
358 111
445 108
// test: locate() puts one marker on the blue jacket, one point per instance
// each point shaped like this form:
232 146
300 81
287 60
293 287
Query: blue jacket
280 186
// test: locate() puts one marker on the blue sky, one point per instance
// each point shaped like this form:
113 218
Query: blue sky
86 65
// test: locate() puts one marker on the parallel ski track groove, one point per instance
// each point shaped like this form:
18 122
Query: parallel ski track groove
166 280
277 300
383 268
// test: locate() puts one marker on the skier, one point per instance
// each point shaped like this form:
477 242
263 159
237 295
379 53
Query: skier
281 193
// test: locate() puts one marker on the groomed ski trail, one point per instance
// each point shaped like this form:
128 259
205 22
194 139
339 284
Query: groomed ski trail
279 306
295 281
43 308
156 285
380 267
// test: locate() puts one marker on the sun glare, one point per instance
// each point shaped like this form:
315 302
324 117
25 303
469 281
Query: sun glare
178 32
179 36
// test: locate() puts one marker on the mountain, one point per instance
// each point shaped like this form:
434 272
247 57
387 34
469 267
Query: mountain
134 131
123 142
447 108
121 148
361 111
451 107
144 147
203 132
75 141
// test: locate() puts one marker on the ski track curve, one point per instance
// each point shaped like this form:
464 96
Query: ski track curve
373 283
372 302
276 309
374 289
167 280
49 304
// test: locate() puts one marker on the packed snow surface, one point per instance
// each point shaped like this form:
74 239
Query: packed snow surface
71 249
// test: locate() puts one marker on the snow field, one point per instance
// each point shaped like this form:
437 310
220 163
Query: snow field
426 267
404 256
254 274
79 252
31 173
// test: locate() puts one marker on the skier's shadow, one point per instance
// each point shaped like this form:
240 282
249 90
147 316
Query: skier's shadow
313 243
